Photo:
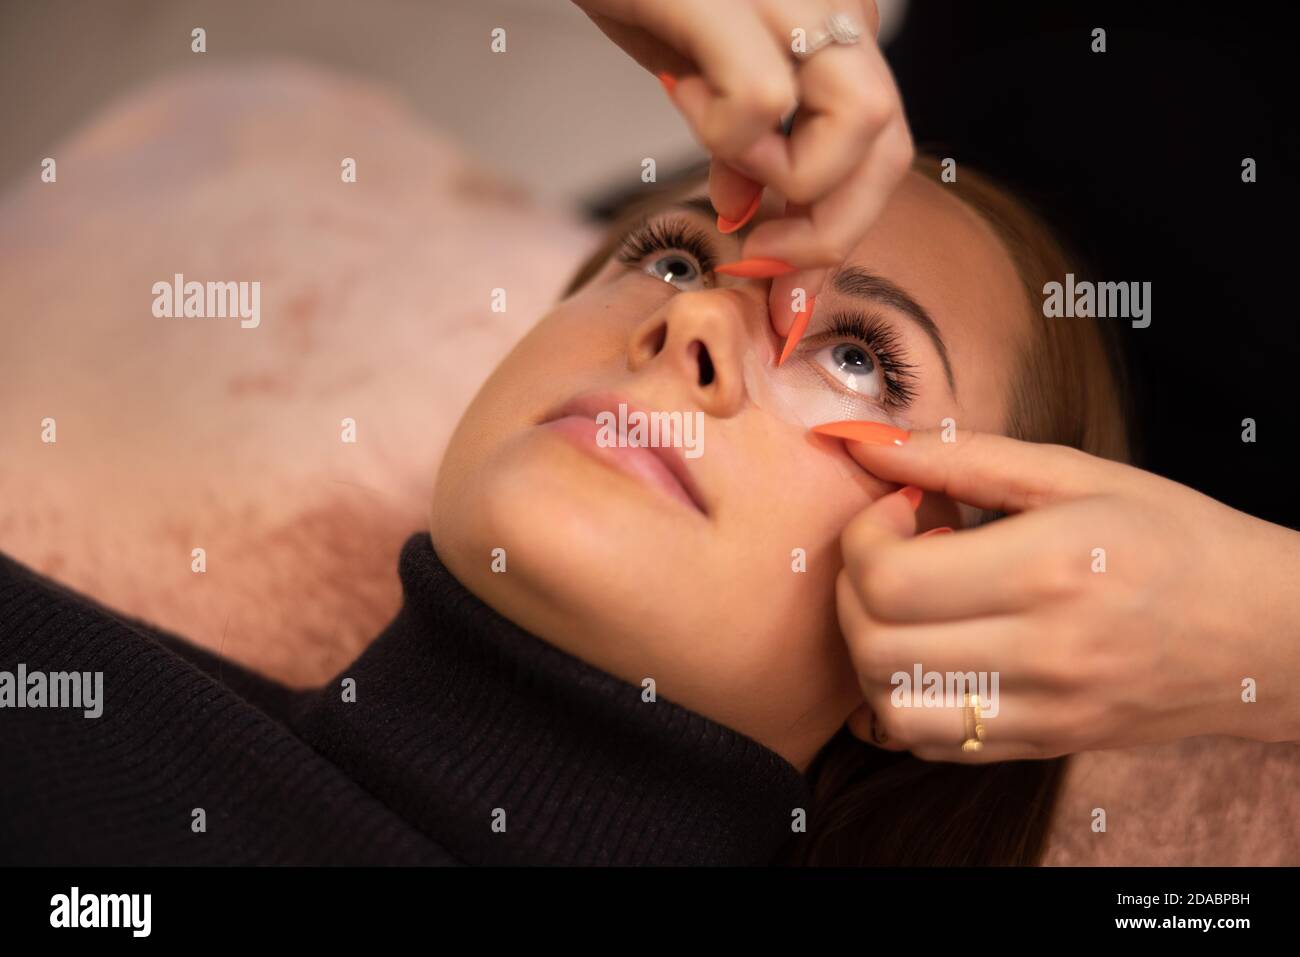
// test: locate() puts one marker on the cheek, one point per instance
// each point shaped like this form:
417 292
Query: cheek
783 538
783 645
582 340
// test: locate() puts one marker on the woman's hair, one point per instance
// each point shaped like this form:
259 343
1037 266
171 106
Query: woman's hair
884 807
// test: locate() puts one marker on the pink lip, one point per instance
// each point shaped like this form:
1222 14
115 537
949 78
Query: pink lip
658 467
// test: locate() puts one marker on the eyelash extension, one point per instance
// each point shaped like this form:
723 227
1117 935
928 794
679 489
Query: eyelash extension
650 237
871 332
886 348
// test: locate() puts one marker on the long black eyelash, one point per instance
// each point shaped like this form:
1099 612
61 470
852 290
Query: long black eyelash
655 236
876 335
886 348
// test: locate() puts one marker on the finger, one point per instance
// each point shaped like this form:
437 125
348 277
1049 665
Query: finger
854 622
746 81
885 522
871 16
782 302
912 727
1001 568
838 220
846 98
863 726
937 733
981 469
884 651
989 753
734 195
791 302
640 44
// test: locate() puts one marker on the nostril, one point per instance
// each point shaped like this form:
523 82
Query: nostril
653 340
705 362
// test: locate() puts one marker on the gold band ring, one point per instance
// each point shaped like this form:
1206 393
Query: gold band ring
974 740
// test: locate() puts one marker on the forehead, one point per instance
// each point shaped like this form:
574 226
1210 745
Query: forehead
927 238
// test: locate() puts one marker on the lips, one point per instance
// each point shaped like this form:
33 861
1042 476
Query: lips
660 468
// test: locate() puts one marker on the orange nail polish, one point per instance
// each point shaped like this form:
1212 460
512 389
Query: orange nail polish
755 268
731 225
797 329
913 495
869 433
669 82
941 530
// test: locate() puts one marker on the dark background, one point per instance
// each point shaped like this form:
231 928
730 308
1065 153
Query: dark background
1135 154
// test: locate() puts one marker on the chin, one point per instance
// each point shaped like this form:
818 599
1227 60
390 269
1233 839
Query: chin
567 523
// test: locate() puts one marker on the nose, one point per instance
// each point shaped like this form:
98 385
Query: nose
700 338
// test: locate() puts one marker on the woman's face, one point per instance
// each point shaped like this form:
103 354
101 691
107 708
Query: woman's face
682 564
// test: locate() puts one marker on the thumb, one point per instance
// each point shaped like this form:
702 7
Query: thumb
981 469
872 13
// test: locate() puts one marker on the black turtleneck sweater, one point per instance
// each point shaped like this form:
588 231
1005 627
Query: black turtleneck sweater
461 720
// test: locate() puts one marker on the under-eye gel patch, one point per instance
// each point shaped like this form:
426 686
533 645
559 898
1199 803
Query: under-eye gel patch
802 393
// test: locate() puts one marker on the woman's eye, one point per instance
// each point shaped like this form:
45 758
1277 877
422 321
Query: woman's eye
673 268
851 365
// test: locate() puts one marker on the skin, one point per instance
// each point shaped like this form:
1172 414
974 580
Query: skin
1071 643
87 527
1195 599
634 581
732 74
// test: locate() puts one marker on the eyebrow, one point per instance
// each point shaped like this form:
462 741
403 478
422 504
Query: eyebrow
857 282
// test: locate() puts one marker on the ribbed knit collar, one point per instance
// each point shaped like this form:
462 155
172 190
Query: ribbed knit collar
463 721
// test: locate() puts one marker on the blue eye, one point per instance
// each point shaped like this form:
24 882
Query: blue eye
866 356
673 268
674 250
852 359
851 365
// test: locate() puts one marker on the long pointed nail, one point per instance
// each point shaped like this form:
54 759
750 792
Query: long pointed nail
755 268
669 82
941 530
913 495
731 225
869 433
797 329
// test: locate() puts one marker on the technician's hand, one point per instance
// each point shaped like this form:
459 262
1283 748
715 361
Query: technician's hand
1119 608
731 70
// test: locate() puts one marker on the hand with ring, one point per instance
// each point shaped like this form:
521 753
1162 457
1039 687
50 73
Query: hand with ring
735 69
1109 608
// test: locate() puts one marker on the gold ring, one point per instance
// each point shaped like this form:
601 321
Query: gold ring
974 740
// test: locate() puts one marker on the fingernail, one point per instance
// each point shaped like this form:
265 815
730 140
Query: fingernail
755 268
669 82
941 530
913 495
731 225
797 329
870 433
